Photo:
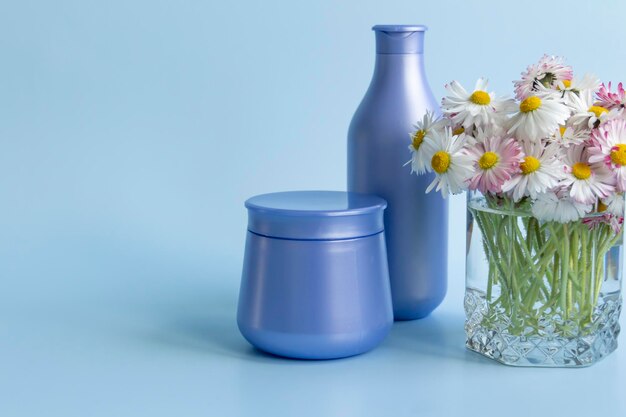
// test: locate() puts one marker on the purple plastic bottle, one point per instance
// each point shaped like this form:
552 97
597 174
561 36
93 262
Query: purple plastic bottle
416 223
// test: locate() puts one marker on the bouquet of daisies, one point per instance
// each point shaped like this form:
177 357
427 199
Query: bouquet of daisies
554 155
559 147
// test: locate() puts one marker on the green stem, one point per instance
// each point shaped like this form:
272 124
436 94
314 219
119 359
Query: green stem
540 269
564 270
584 242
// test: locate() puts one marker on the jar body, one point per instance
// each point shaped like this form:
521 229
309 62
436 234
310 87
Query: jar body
416 223
541 293
315 299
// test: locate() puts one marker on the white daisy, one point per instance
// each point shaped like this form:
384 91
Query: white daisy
551 206
568 136
584 87
613 204
419 160
487 132
458 129
587 115
586 182
449 160
479 107
538 117
540 171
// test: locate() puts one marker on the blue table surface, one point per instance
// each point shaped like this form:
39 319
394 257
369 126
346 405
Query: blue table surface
143 335
131 134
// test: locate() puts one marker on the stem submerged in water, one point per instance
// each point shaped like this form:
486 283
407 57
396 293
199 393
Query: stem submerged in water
542 271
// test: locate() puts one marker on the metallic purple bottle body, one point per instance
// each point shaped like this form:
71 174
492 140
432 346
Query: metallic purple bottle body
416 223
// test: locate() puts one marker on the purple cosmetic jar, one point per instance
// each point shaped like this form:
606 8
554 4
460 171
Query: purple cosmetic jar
315 281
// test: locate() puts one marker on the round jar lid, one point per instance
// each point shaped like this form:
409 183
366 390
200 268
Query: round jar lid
315 215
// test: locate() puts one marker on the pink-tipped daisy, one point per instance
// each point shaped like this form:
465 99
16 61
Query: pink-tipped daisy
611 100
614 222
547 72
609 147
495 159
586 182
540 170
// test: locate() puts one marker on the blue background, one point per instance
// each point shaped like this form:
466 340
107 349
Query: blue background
131 134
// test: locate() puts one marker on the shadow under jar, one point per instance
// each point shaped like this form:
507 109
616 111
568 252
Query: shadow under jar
541 293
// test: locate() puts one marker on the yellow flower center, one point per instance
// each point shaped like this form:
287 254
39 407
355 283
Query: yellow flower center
618 154
418 138
566 84
529 104
581 170
440 162
458 131
602 207
488 160
562 129
480 97
529 165
597 110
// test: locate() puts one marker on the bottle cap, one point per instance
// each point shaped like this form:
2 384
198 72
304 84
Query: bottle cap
399 39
